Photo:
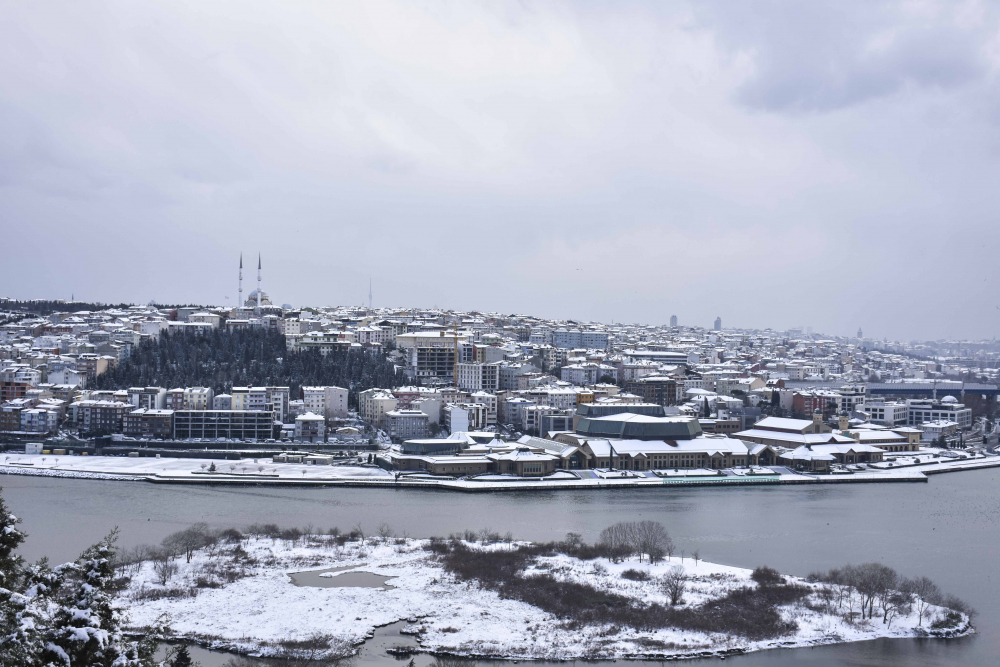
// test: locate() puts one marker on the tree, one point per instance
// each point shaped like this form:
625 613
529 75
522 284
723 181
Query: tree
182 658
925 592
651 538
617 541
189 540
64 615
10 539
164 566
674 584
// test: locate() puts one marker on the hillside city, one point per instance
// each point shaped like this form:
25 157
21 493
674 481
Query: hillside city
475 393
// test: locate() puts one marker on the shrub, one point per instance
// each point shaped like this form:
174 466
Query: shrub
635 575
767 576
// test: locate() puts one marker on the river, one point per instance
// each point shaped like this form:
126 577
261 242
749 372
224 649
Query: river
947 529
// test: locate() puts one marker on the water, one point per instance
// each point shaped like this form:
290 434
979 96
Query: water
330 579
947 529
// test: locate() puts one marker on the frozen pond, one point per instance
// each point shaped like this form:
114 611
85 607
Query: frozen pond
337 577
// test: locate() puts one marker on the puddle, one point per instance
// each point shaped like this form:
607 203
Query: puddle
332 578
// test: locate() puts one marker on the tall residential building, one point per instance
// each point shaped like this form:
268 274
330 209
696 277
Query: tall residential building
330 402
718 324
673 320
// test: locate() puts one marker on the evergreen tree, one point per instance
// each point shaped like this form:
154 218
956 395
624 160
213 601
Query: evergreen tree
10 539
64 615
182 658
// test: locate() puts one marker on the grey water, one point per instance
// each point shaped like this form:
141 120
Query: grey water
345 580
947 529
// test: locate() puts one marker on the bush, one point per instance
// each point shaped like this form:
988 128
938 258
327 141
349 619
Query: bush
749 612
635 575
767 576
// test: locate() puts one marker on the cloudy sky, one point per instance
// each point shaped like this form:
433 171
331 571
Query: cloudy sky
826 164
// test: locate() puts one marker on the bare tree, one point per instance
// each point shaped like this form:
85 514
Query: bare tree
652 539
189 540
164 566
925 592
618 541
385 532
873 581
674 584
896 602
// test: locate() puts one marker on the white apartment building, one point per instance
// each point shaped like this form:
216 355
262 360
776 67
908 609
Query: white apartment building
373 404
464 417
479 377
260 399
198 398
331 402
886 413
587 373
947 409
490 401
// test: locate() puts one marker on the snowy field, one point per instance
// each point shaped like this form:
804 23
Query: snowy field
262 610
263 471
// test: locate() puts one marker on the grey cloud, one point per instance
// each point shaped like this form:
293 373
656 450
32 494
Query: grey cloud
822 56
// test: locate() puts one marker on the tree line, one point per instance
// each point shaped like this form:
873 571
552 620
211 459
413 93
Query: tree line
222 359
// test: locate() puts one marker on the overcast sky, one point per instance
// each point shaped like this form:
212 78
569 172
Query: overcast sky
824 164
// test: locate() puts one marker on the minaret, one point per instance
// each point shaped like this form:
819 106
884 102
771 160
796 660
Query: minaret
369 294
239 302
258 283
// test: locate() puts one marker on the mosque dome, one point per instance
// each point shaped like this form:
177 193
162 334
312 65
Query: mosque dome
251 301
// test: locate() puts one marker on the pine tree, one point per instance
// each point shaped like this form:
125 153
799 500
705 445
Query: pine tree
10 539
64 615
182 658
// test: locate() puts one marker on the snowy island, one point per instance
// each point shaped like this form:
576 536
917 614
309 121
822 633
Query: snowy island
268 592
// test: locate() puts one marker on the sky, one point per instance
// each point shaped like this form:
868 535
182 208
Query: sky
777 164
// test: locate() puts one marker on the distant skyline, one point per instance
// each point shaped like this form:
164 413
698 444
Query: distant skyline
811 164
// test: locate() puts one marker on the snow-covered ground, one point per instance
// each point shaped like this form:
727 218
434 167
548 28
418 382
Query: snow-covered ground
264 471
254 614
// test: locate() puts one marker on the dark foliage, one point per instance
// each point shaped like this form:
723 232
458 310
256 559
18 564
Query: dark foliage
47 307
749 612
223 359
767 576
635 575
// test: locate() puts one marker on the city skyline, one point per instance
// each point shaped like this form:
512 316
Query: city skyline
755 164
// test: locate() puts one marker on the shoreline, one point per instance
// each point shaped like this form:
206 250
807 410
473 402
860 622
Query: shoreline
177 471
478 624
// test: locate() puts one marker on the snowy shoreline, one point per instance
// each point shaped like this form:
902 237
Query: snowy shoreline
263 472
262 610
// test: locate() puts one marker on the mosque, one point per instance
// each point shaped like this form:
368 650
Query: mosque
257 301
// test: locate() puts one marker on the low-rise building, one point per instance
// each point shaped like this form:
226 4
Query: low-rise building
310 427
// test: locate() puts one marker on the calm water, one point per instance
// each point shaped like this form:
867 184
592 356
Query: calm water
947 529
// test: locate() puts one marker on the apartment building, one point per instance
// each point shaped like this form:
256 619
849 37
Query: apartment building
330 402
475 377
149 423
310 427
151 398
373 404
406 425
253 425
